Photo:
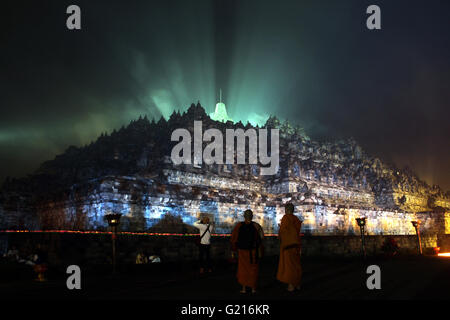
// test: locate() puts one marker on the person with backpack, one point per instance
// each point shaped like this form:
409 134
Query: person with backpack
246 240
204 245
289 267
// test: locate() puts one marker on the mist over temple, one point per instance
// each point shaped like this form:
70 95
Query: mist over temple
316 166
130 172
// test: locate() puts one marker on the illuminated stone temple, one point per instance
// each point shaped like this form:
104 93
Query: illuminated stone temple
130 172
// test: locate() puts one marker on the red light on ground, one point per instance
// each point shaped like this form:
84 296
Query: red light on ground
130 233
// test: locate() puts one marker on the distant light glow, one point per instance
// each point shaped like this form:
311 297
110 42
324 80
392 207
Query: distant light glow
444 254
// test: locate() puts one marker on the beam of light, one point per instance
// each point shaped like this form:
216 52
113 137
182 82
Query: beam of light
252 68
171 74
444 254
261 78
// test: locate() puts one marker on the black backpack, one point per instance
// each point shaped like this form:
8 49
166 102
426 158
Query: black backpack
248 237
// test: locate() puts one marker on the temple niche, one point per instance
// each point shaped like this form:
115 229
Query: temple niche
130 172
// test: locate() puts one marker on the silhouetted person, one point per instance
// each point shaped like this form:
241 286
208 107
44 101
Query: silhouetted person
246 239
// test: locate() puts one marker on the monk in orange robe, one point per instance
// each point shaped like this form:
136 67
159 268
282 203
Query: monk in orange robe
246 239
289 267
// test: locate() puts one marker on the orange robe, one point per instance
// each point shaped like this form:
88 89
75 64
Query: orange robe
289 267
248 269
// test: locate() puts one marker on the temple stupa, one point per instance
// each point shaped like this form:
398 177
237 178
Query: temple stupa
220 114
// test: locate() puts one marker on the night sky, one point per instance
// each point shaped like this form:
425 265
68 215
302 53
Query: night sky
312 62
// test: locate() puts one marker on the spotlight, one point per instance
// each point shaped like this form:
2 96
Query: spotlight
416 225
361 223
113 221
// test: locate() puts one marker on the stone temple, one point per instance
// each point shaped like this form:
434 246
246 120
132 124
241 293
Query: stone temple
130 171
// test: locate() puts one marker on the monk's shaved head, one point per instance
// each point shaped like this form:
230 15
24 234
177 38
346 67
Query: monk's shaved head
248 214
289 208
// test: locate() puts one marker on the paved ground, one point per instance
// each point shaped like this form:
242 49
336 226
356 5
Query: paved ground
401 278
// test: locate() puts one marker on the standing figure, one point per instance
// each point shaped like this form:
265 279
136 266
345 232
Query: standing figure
246 239
289 267
205 243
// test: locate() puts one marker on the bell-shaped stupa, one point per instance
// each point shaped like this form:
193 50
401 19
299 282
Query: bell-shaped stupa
220 114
